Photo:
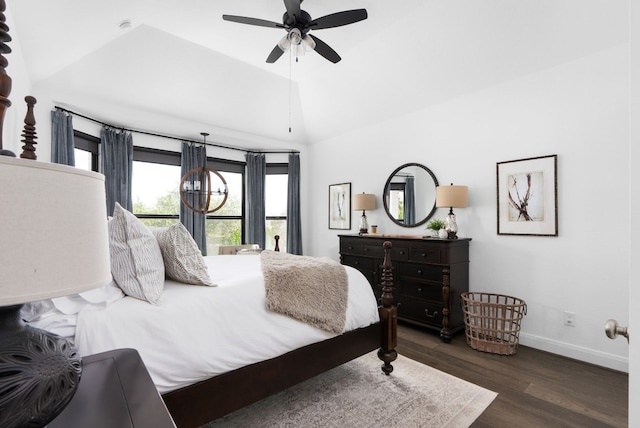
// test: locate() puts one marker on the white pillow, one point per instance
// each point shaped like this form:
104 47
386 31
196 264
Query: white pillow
183 261
136 260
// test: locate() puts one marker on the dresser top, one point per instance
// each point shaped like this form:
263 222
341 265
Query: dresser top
398 236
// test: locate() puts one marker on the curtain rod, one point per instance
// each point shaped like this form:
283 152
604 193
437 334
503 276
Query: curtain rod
153 134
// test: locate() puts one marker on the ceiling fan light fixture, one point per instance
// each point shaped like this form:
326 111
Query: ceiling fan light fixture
284 43
308 43
295 36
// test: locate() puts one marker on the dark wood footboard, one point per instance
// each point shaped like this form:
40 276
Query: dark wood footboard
205 401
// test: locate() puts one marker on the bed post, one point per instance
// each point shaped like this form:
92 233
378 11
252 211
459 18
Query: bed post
388 315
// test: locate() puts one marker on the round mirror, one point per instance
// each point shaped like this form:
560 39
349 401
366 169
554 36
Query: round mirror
409 195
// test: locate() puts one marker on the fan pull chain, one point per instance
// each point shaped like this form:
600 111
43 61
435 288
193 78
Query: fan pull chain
290 60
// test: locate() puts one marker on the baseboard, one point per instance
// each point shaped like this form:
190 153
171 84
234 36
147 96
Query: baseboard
580 353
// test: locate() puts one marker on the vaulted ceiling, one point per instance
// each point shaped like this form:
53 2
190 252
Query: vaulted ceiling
181 60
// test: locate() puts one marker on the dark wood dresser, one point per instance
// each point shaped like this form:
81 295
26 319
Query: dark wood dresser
429 274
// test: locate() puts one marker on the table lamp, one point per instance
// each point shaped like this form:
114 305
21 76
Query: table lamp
452 197
53 242
364 201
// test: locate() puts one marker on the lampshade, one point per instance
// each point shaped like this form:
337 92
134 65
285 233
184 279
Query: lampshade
53 231
364 201
452 196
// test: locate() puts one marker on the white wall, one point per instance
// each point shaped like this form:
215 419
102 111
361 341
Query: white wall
634 275
579 111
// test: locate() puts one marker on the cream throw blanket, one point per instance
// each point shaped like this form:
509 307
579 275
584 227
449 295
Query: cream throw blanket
310 289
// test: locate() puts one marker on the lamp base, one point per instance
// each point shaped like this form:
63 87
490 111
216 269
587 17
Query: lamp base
39 372
364 225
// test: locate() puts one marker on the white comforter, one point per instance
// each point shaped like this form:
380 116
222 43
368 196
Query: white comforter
197 332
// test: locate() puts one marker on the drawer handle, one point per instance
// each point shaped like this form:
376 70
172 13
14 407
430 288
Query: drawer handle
366 249
426 312
401 252
419 271
350 247
420 289
423 255
356 262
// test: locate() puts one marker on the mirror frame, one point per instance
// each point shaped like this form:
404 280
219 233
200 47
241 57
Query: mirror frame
386 188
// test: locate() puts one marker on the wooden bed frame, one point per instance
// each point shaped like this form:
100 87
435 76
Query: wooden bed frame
197 404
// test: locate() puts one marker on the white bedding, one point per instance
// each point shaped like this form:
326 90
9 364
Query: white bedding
197 332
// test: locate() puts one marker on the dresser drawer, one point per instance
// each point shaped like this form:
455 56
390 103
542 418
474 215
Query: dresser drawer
425 254
349 246
363 264
421 311
359 263
421 272
422 290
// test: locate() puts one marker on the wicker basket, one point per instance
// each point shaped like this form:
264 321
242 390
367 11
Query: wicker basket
492 321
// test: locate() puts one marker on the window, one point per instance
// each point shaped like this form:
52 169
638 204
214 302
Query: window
87 149
276 185
396 201
154 186
156 199
226 226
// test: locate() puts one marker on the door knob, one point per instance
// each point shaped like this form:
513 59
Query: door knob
612 329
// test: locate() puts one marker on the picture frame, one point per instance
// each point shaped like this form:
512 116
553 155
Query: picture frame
527 196
340 206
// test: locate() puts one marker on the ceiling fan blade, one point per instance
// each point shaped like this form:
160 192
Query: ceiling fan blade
325 50
275 54
338 19
293 9
252 21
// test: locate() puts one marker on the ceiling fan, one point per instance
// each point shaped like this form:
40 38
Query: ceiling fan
297 23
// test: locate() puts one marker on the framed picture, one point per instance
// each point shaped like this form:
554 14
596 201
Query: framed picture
528 196
340 206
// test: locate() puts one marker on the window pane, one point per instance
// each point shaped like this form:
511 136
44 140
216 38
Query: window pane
276 195
222 232
233 205
276 227
83 159
154 188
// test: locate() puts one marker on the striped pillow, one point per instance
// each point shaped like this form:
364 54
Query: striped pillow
183 261
136 260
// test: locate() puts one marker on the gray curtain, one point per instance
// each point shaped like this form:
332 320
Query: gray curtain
116 159
256 216
62 138
294 224
410 201
194 156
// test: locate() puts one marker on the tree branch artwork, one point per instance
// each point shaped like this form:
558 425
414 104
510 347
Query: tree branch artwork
525 197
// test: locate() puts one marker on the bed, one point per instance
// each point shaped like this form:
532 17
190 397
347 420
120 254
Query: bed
214 347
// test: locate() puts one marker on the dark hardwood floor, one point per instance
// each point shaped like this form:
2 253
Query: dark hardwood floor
535 388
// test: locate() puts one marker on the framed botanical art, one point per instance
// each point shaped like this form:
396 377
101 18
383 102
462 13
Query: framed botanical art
340 206
528 196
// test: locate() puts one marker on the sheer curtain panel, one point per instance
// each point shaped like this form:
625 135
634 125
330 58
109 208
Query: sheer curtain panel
62 138
116 158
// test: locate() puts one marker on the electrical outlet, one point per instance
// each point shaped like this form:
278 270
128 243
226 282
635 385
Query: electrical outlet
569 318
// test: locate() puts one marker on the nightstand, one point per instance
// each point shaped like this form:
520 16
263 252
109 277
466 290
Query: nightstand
115 391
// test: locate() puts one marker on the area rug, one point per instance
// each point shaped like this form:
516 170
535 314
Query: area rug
358 394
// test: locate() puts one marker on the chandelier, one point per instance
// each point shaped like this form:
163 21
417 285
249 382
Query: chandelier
203 190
